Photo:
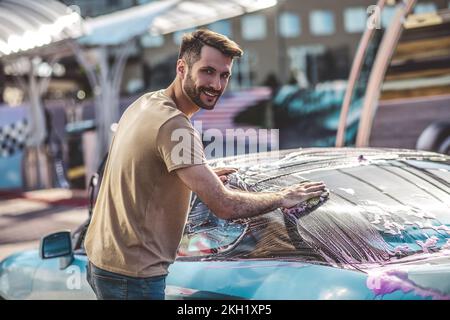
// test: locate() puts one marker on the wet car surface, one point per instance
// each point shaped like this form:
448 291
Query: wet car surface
383 233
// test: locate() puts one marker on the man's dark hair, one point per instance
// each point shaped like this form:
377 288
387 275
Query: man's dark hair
192 44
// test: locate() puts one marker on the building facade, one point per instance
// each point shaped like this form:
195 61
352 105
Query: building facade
306 42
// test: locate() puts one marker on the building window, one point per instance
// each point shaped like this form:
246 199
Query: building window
289 25
298 61
321 22
149 41
222 27
253 27
355 19
426 7
244 71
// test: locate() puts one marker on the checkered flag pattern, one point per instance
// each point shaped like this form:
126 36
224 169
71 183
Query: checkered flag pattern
13 137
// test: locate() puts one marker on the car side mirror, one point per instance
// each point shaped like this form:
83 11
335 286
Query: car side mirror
57 245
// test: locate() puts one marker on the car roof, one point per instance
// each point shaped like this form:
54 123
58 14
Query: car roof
308 158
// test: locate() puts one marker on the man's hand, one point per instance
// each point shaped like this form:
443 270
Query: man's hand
222 173
301 192
232 204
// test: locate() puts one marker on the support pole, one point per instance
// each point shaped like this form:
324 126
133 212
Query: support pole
387 47
105 82
36 163
353 77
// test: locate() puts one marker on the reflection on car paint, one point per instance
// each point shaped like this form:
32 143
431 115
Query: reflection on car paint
265 265
206 234
350 191
428 244
447 245
382 283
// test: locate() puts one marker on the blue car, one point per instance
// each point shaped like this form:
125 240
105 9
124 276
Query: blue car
382 233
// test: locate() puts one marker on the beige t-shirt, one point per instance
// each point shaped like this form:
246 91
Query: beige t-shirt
142 205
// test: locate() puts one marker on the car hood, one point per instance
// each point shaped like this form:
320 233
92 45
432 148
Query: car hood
427 276
383 203
17 273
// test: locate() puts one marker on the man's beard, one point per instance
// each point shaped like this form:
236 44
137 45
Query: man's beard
194 93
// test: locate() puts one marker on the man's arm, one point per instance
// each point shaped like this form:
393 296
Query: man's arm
231 204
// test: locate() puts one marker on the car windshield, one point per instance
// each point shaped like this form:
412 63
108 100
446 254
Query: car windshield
380 210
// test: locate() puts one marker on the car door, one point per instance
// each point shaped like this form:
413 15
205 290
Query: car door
52 282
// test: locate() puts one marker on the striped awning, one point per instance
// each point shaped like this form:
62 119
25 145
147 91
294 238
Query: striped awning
229 106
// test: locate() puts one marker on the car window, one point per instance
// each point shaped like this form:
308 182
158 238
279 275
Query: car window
267 236
206 234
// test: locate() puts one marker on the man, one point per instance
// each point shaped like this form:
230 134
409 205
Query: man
143 200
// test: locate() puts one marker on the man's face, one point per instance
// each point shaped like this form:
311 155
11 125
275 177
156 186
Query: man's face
206 80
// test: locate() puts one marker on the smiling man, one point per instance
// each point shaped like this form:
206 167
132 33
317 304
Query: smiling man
142 204
204 68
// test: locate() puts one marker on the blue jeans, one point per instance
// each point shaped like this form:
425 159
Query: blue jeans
112 286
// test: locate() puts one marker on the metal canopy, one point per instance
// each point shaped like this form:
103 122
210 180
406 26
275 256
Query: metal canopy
119 27
190 14
28 24
162 17
32 27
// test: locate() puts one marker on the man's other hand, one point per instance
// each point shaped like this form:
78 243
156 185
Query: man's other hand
222 173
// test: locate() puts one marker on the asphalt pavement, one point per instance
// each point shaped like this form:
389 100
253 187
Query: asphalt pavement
27 216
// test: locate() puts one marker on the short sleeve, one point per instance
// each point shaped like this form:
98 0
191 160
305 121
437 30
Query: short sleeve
179 144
